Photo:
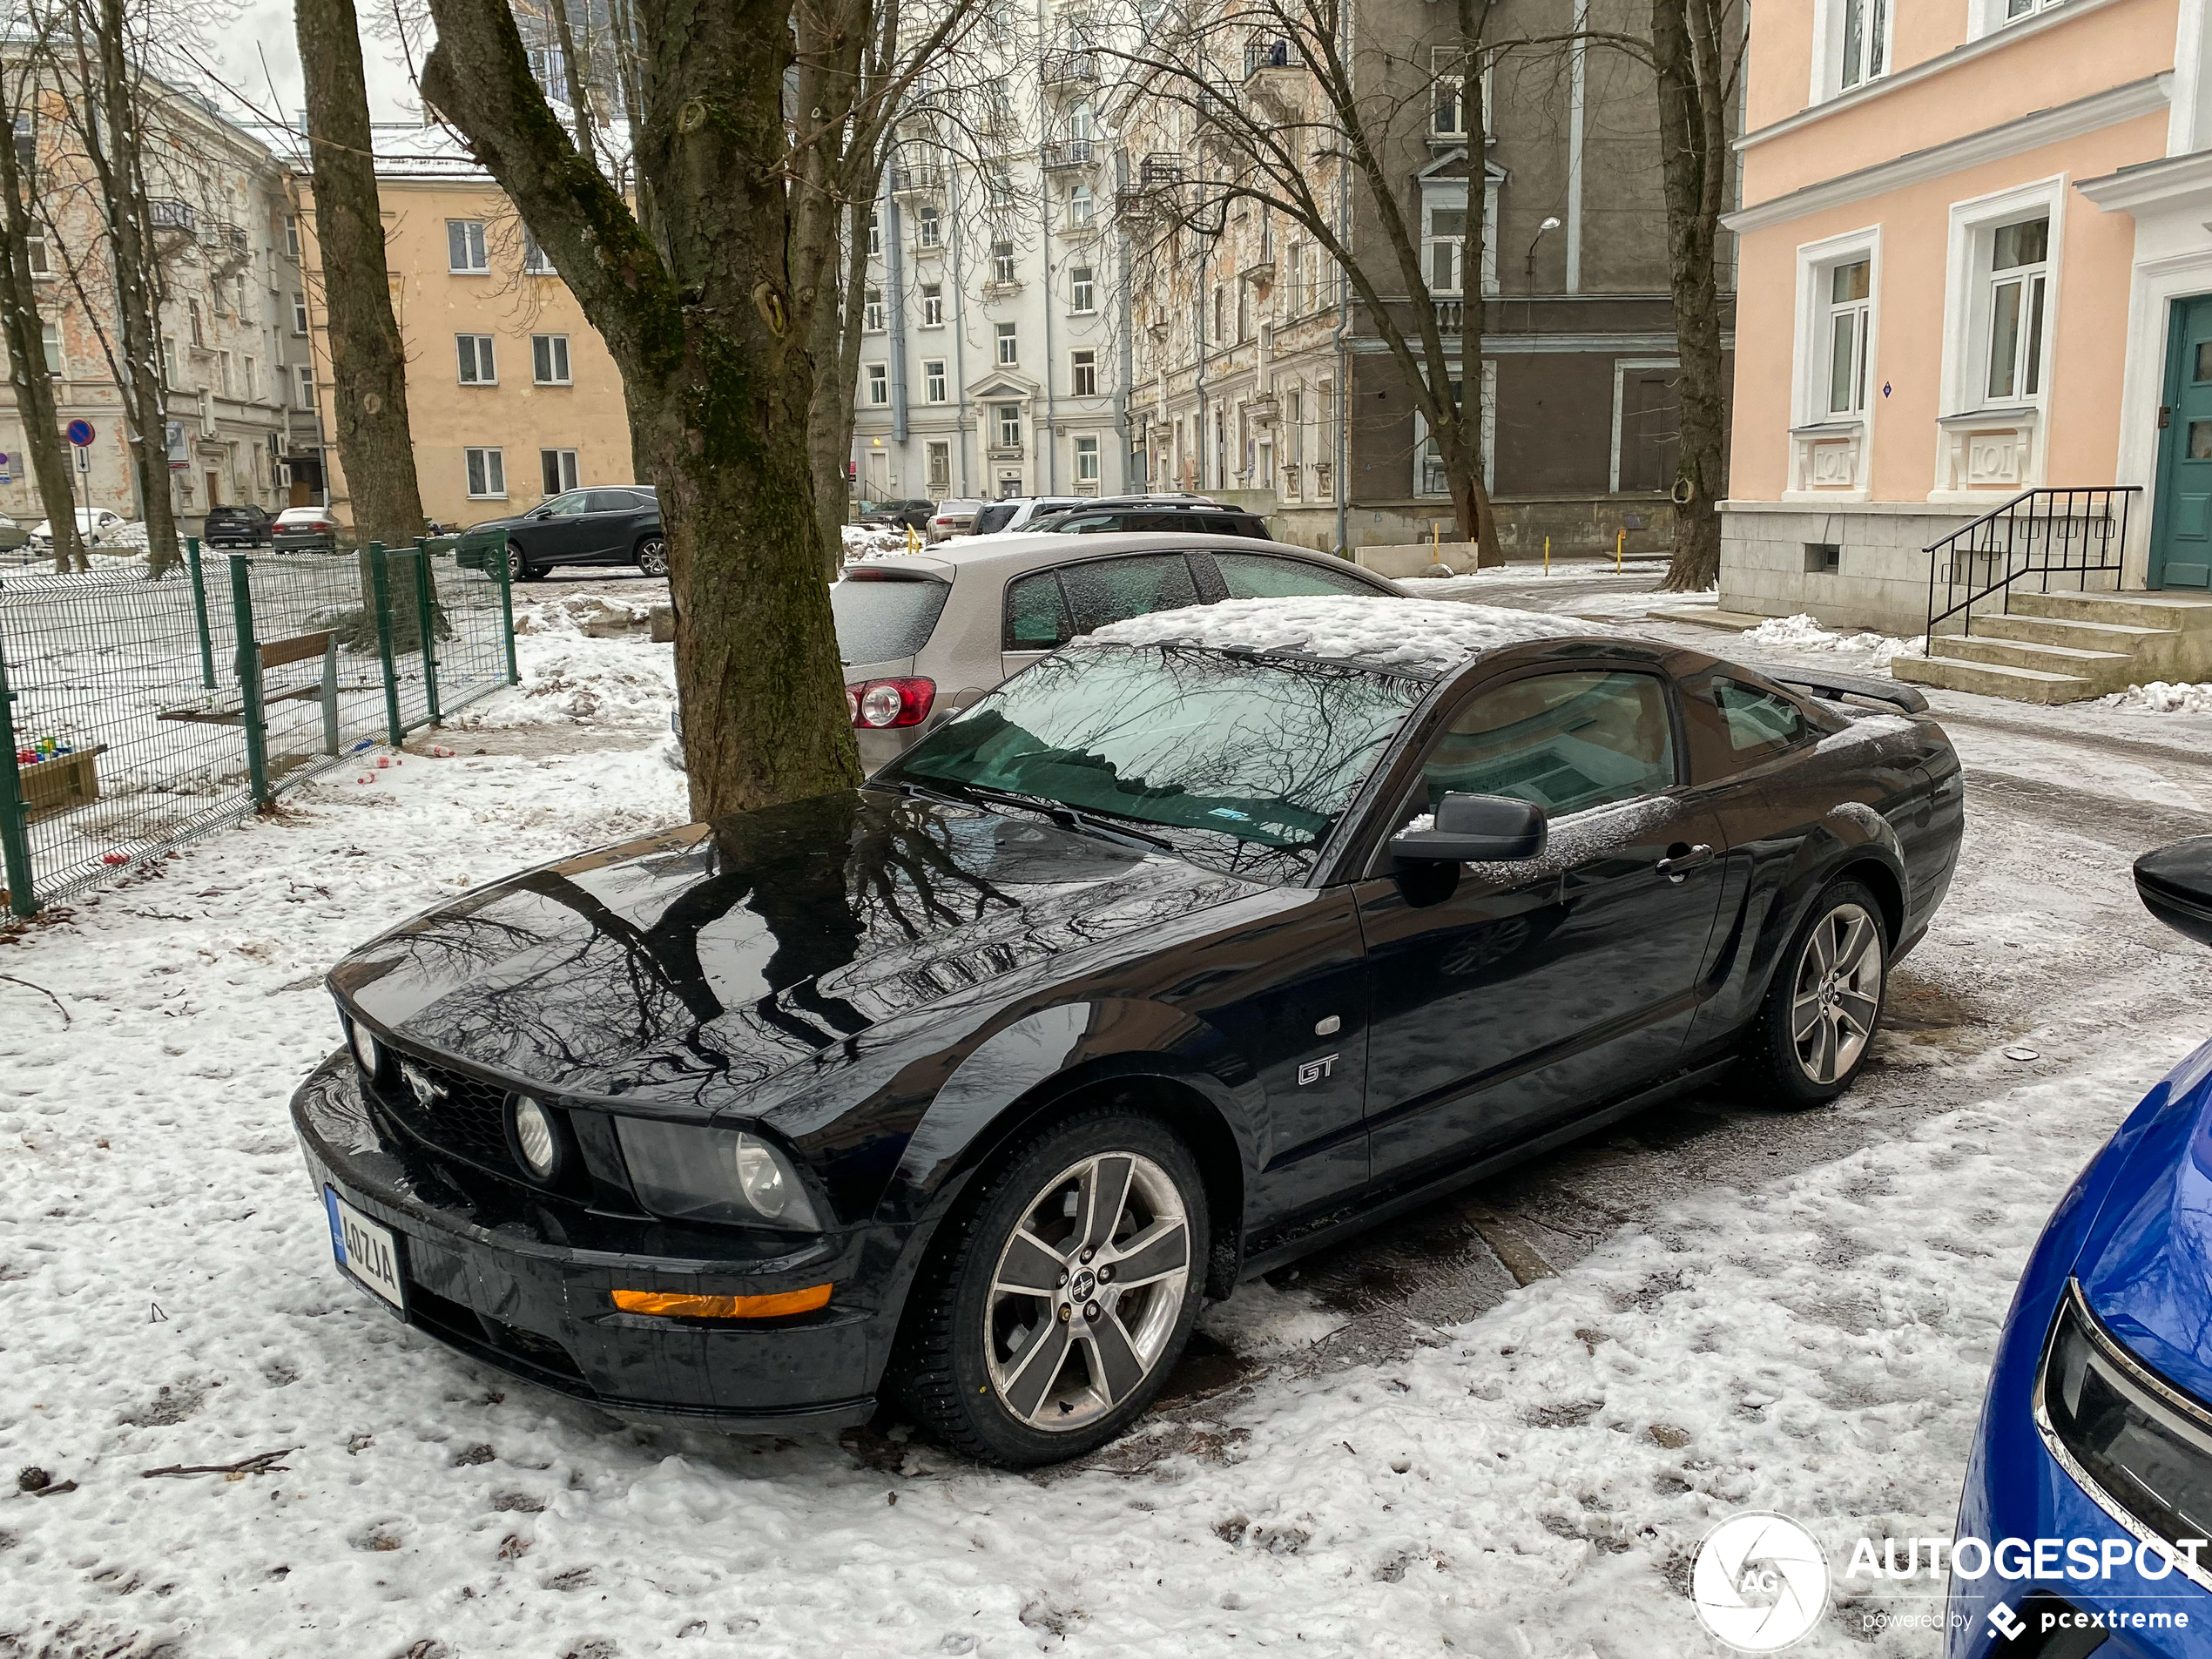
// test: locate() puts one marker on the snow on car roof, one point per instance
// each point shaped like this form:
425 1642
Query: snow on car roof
1415 635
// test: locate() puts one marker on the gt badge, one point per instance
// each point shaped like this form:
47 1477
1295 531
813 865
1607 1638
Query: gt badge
1313 1070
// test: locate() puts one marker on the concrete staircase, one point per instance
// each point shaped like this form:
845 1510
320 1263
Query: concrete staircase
2062 647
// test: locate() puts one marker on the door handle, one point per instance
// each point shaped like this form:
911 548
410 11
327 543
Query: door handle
1681 859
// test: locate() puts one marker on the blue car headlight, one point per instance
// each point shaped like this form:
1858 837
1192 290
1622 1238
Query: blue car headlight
2139 1447
688 1173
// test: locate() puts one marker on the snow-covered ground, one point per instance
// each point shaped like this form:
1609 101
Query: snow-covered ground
1525 1485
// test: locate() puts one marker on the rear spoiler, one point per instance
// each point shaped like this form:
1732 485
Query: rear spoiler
1836 687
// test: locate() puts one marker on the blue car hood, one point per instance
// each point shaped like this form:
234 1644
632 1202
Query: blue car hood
2146 1263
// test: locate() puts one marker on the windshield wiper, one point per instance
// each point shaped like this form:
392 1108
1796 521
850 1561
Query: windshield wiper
1060 812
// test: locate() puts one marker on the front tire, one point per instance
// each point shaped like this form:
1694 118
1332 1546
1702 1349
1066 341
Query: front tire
1061 1296
653 556
1818 1024
519 569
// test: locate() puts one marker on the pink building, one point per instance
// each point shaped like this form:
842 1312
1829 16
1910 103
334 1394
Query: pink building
1974 358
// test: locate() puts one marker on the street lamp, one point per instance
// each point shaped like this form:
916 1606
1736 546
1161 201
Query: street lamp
1529 283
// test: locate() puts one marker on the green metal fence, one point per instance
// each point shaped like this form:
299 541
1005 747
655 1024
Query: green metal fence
136 714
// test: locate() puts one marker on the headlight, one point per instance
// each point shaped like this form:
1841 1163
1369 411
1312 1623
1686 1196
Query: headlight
366 1053
690 1174
537 1144
2142 1447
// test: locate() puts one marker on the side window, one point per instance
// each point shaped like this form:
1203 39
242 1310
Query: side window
566 506
1567 742
1113 589
1757 722
1037 615
1255 576
608 501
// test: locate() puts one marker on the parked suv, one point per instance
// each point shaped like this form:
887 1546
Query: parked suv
242 524
1017 512
922 636
897 515
1183 514
606 525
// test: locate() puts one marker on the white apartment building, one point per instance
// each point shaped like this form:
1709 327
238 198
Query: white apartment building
995 360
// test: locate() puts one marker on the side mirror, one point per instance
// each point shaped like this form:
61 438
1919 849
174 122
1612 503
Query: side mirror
2175 885
1475 829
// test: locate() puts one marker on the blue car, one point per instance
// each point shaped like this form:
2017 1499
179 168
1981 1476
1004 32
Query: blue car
2088 1500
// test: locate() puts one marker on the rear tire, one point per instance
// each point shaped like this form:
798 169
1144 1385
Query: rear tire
653 556
1816 1026
1034 1333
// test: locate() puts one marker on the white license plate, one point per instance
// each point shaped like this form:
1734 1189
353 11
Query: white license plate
369 1252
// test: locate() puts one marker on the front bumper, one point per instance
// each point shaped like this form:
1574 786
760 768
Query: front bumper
523 1282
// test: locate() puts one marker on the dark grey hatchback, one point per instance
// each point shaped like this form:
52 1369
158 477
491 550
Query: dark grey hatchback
1179 954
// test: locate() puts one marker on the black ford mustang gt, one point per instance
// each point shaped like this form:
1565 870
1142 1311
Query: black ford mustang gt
1164 964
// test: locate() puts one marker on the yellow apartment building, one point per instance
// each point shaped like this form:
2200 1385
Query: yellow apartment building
510 392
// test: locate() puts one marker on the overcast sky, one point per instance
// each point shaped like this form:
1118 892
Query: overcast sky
260 51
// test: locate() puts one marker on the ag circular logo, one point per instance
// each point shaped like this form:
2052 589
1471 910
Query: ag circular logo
1760 1582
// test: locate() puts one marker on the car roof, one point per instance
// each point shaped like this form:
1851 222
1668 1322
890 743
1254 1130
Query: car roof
1013 553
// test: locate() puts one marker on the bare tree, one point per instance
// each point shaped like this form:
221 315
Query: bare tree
367 359
19 318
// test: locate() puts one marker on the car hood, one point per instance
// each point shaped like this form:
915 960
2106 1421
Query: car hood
506 522
687 966
2145 1263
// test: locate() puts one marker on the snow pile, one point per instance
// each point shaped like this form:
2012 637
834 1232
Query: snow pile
127 537
1804 632
874 541
585 660
1429 637
2160 698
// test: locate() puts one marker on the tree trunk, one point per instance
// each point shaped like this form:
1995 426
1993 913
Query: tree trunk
1687 51
1464 472
579 95
829 422
713 346
19 321
368 363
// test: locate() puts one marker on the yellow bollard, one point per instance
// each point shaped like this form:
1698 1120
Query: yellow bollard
1620 545
914 540
1548 556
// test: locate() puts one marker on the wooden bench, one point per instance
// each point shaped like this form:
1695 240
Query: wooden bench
282 653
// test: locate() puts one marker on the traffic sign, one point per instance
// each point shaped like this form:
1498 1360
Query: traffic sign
80 433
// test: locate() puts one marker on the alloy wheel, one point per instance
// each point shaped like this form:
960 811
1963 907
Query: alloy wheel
1836 993
518 568
1087 1291
652 556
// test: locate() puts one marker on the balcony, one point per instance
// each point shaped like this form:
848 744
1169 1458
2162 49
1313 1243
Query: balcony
1263 410
1159 170
1451 315
1074 67
170 215
916 178
1069 155
1215 103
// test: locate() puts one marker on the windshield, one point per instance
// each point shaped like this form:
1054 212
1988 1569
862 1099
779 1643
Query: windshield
1245 763
882 617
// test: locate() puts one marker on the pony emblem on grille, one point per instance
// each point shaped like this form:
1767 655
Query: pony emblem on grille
427 1091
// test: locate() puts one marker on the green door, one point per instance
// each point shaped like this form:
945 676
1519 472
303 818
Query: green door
2180 546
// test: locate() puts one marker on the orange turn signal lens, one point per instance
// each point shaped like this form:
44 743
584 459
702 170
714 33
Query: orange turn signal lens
724 1307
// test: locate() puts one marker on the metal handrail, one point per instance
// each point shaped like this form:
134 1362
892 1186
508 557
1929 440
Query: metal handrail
2042 532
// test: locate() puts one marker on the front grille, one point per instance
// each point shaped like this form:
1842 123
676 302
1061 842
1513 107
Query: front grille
461 1114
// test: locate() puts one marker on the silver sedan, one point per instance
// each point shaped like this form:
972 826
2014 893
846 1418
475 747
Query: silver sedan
924 636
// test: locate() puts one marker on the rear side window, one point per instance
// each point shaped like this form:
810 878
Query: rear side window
1255 576
1036 614
880 618
996 516
1755 721
609 501
1114 590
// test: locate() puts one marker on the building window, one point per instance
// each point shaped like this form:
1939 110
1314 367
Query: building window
1430 479
875 233
196 322
223 373
1000 193
940 453
928 229
871 311
1866 29
292 235
878 377
1083 372
1448 116
50 336
1087 461
1294 424
1823 558
1219 315
536 262
304 374
932 305
1083 291
34 249
1009 423
253 381
1079 207
465 250
1010 347
1850 317
477 365
557 469
300 314
1002 262
2019 283
932 380
1445 249
550 359
487 472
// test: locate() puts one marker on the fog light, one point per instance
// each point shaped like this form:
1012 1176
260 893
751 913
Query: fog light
535 1143
366 1053
724 1307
